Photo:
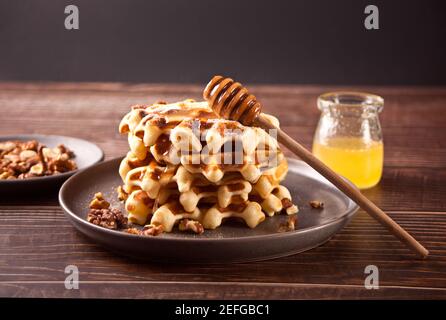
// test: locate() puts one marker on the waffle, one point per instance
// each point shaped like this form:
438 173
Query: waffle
183 163
180 128
191 189
170 214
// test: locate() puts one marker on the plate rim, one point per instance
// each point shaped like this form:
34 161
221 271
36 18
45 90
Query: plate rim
351 210
53 177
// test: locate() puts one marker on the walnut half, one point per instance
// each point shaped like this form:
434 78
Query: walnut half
99 202
191 225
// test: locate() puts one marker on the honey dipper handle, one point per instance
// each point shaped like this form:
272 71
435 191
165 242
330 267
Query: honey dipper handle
345 187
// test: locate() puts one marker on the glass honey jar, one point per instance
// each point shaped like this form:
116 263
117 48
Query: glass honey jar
349 138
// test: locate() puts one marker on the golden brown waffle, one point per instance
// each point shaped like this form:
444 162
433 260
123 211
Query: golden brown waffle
210 217
191 189
180 167
187 126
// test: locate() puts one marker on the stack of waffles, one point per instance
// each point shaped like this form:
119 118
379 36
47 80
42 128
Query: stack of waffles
187 163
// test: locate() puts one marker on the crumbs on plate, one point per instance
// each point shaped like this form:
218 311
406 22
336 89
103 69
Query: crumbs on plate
316 204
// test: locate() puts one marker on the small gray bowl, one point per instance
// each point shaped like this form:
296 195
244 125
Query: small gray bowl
86 155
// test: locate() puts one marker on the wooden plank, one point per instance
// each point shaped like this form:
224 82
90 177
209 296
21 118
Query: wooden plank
47 243
214 290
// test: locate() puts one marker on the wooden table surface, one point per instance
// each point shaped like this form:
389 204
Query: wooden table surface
37 242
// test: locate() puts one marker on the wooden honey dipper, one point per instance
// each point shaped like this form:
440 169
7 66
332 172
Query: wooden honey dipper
232 101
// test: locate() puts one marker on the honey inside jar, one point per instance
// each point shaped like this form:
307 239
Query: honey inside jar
348 138
358 161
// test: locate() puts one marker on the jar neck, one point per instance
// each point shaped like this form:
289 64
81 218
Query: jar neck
350 104
338 111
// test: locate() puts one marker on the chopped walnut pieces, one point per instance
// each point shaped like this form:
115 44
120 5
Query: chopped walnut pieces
133 231
290 224
36 169
122 195
31 145
65 151
148 230
99 202
191 225
152 230
27 159
6 147
289 207
59 164
316 204
27 154
107 218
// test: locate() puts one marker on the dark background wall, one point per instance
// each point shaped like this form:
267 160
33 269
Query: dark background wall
276 41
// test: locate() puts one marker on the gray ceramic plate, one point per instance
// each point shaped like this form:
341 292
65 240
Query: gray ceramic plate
86 153
231 242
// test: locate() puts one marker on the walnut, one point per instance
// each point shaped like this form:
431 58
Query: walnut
7 146
12 157
316 204
290 224
36 170
289 207
99 202
19 167
27 154
60 165
148 230
30 145
65 151
49 153
191 225
107 218
133 231
152 230
59 159
4 175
